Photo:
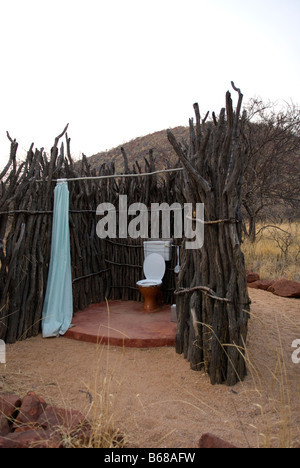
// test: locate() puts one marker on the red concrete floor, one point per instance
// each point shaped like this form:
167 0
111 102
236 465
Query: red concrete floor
124 323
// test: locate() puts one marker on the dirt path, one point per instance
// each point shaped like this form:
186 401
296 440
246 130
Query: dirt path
154 396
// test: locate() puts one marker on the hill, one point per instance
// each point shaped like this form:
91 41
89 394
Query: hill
138 148
271 179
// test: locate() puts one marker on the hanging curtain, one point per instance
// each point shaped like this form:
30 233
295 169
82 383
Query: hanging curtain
58 305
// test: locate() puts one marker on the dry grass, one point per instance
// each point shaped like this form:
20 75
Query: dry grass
102 391
276 252
268 396
103 408
273 384
99 429
278 424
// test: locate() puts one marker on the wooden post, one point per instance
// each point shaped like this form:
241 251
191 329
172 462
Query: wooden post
212 297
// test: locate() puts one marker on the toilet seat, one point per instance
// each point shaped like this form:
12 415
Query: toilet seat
154 270
147 283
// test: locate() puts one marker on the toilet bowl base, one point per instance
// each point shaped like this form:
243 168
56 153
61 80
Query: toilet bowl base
153 298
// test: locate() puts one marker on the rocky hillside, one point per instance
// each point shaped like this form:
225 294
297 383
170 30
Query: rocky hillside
139 148
273 198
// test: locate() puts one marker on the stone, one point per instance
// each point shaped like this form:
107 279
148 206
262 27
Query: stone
32 423
60 421
31 408
4 425
9 405
254 284
285 288
265 284
260 284
32 438
211 441
251 277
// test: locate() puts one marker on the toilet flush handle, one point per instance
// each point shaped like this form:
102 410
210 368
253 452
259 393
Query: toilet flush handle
177 268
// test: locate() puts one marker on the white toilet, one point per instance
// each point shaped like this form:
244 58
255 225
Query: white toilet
156 255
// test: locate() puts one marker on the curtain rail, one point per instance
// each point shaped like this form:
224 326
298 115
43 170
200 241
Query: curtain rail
115 176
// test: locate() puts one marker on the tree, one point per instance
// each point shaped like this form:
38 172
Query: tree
272 173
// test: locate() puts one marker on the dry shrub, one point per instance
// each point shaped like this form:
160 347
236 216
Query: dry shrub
276 252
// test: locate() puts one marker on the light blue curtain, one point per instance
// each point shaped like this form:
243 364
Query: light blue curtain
58 305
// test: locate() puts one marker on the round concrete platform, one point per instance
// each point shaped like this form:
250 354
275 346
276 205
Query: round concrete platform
123 323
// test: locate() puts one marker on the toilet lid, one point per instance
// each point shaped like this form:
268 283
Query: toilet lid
154 267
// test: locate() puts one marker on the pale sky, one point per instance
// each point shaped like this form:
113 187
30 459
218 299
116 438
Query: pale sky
118 69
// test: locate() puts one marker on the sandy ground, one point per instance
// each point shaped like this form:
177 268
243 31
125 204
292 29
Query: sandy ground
154 396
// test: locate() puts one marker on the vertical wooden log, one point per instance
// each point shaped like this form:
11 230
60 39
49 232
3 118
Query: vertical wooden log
212 328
